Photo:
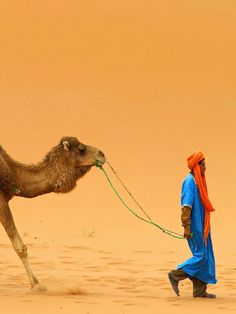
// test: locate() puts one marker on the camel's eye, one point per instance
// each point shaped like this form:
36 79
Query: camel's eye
82 149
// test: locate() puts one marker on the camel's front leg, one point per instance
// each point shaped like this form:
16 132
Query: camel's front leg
21 250
18 245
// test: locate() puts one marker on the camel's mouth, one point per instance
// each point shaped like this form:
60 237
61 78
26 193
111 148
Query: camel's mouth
100 160
97 159
99 163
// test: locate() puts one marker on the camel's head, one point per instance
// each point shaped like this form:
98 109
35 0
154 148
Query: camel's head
81 155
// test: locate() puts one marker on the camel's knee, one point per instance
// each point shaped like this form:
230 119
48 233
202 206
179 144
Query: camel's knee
21 250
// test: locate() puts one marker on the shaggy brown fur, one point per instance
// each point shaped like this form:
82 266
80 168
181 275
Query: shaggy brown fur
58 172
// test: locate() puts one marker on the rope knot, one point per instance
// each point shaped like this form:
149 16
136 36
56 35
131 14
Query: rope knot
98 164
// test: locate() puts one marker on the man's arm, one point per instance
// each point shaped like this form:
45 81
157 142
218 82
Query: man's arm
186 221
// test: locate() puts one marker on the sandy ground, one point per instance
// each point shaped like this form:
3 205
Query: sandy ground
148 83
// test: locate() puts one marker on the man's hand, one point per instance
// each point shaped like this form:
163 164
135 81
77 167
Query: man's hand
187 233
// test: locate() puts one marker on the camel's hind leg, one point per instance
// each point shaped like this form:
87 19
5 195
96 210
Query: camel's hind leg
8 223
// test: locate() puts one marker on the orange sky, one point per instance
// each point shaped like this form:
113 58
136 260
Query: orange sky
131 47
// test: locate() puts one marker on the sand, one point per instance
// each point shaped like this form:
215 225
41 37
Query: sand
148 83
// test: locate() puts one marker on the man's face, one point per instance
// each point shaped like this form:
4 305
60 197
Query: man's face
202 165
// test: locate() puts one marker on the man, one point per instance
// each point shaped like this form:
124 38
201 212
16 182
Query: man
196 208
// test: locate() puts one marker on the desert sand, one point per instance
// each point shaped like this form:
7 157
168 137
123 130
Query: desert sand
149 83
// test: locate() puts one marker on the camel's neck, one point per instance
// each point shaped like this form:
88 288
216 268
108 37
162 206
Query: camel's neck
33 180
48 178
50 175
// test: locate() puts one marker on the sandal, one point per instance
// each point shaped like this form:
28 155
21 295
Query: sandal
174 283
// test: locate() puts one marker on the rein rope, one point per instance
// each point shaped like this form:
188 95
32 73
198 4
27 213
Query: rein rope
148 220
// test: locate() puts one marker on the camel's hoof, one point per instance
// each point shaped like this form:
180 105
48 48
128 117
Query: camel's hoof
39 288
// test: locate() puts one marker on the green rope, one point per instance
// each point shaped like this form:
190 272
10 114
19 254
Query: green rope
169 232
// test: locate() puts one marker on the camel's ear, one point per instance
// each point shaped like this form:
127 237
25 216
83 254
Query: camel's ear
66 145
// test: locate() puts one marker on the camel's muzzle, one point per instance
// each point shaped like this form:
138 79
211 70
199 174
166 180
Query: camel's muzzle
100 159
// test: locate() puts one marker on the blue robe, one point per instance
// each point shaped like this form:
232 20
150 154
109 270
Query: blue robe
202 264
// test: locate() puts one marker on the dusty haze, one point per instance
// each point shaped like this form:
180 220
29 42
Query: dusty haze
149 83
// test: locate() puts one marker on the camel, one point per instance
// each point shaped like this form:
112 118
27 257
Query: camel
58 172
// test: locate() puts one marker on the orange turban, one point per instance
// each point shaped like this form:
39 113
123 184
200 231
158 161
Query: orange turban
193 161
